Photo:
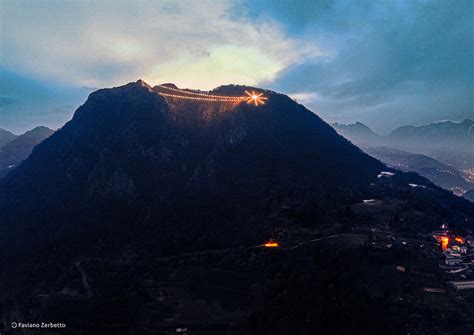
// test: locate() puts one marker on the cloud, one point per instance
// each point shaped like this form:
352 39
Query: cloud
242 65
304 97
386 63
26 103
104 43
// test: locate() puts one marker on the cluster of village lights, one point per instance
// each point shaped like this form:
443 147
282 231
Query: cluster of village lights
445 241
255 98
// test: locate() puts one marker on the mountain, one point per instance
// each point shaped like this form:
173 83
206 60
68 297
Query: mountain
17 150
129 145
469 195
147 213
455 149
460 132
441 174
5 137
358 132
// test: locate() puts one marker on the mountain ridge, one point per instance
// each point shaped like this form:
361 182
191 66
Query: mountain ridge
17 150
455 149
359 128
6 137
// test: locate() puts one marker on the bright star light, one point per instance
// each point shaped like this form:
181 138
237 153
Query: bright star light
257 99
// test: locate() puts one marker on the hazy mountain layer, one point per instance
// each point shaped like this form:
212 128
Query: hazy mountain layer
17 150
5 137
451 143
441 174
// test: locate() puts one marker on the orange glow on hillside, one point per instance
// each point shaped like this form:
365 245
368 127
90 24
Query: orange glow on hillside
271 244
444 242
459 239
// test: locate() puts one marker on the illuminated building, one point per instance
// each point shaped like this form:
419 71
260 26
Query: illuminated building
271 244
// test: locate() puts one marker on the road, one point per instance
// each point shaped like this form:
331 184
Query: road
89 292
257 246
85 283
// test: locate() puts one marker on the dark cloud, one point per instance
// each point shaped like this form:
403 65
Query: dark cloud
26 102
386 63
412 61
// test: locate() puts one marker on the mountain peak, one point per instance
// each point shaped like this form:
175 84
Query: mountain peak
170 85
357 130
15 151
6 137
129 142
142 83
41 129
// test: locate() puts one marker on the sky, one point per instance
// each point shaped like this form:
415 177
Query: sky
384 63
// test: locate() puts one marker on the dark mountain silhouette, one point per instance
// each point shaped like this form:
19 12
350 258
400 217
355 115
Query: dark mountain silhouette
129 146
17 150
441 174
145 213
5 137
469 195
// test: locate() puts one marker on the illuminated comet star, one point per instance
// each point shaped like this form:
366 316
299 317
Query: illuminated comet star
257 99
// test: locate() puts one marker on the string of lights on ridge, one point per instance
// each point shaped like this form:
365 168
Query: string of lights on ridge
251 98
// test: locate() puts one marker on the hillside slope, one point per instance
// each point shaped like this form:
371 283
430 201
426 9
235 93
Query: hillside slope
131 151
5 137
147 213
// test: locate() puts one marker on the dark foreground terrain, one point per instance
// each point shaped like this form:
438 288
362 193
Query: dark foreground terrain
148 215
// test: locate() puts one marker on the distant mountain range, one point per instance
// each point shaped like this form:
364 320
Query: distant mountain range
18 148
469 195
451 132
450 143
358 132
5 137
146 212
454 132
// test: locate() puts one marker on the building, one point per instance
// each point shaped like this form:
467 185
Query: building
438 234
463 285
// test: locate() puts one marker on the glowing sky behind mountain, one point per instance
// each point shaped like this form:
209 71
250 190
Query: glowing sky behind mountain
383 63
